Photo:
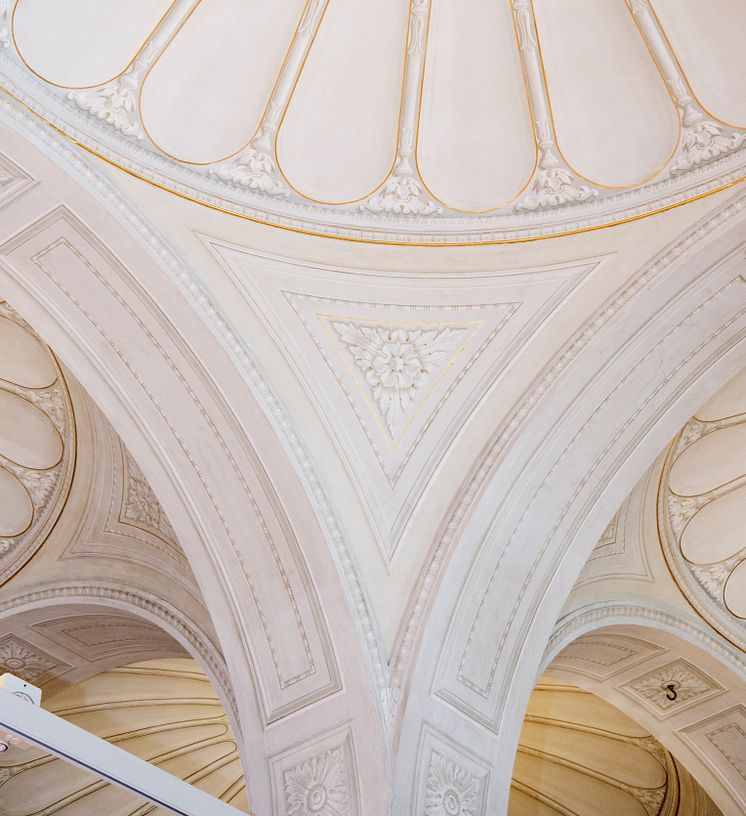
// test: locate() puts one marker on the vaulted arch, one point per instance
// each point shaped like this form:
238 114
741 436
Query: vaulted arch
122 314
610 401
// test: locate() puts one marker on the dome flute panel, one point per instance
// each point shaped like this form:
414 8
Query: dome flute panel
337 141
708 43
204 96
716 531
714 460
399 121
476 148
37 442
16 507
83 43
24 361
702 511
27 435
616 123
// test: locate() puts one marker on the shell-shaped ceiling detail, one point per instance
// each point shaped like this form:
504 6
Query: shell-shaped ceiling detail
162 711
702 510
37 442
399 120
579 755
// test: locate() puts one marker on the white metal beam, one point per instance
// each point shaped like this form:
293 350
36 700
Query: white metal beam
73 744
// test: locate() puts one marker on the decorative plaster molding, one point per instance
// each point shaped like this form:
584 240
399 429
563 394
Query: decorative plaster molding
44 482
25 660
251 184
704 582
318 785
5 38
117 103
318 778
600 615
140 505
13 180
452 781
399 364
509 431
76 163
71 246
475 674
172 621
554 185
450 790
704 140
690 685
720 740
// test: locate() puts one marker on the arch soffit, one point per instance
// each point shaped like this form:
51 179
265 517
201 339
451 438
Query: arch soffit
211 489
652 647
657 350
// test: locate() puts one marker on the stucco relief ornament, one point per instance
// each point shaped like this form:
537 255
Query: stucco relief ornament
20 659
318 786
402 193
4 23
36 451
451 790
555 185
254 168
116 102
398 364
703 139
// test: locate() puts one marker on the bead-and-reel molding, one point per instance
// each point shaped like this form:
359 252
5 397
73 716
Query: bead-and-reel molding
37 442
702 511
409 121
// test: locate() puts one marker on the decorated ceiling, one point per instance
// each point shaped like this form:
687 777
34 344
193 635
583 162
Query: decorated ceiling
439 519
397 121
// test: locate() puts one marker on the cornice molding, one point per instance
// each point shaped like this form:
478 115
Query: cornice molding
156 610
250 184
603 614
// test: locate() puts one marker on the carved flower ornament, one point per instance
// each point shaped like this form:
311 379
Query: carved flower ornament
33 421
398 364
451 790
318 786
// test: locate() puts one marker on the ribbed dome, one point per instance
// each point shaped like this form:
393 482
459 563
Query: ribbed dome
579 755
418 120
162 711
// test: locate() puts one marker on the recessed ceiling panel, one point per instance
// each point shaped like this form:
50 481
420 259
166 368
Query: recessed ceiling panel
709 44
27 435
77 43
616 123
476 148
16 507
23 360
205 96
712 461
717 530
338 139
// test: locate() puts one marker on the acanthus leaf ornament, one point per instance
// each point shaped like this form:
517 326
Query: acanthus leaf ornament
318 786
555 185
253 168
116 102
402 193
703 140
450 789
